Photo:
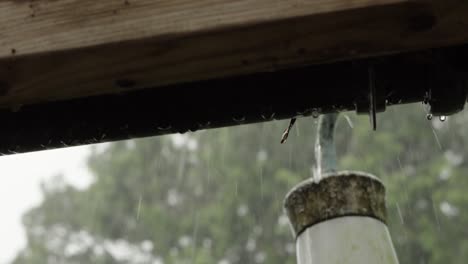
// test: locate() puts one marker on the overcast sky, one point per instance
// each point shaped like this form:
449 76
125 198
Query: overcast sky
20 179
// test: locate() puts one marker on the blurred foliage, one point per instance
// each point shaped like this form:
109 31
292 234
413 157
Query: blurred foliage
216 196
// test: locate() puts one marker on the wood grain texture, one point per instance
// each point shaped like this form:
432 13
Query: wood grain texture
60 49
48 25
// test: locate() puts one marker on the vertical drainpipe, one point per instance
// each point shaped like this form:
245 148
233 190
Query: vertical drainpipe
339 217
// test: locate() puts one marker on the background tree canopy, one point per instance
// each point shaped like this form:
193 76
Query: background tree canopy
216 196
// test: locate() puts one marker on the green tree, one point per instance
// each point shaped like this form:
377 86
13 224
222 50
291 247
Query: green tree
216 196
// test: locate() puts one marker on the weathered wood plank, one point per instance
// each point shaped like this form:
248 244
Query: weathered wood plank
45 25
54 50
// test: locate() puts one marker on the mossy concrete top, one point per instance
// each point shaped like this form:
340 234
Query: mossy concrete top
339 194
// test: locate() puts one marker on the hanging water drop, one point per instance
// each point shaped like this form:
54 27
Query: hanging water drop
315 113
270 116
442 118
204 125
239 119
164 127
267 113
429 116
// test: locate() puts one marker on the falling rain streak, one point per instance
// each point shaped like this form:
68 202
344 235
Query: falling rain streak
194 236
436 138
262 194
436 215
139 207
400 214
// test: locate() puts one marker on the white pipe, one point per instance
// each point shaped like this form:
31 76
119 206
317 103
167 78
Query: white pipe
340 219
346 240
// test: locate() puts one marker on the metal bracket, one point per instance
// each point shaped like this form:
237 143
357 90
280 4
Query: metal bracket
447 93
375 101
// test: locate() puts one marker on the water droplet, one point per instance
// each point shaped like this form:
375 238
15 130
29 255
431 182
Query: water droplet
164 127
442 118
429 116
315 113
269 116
267 113
239 119
204 125
11 151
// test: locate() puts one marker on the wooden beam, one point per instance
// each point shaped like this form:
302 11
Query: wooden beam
260 97
56 50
